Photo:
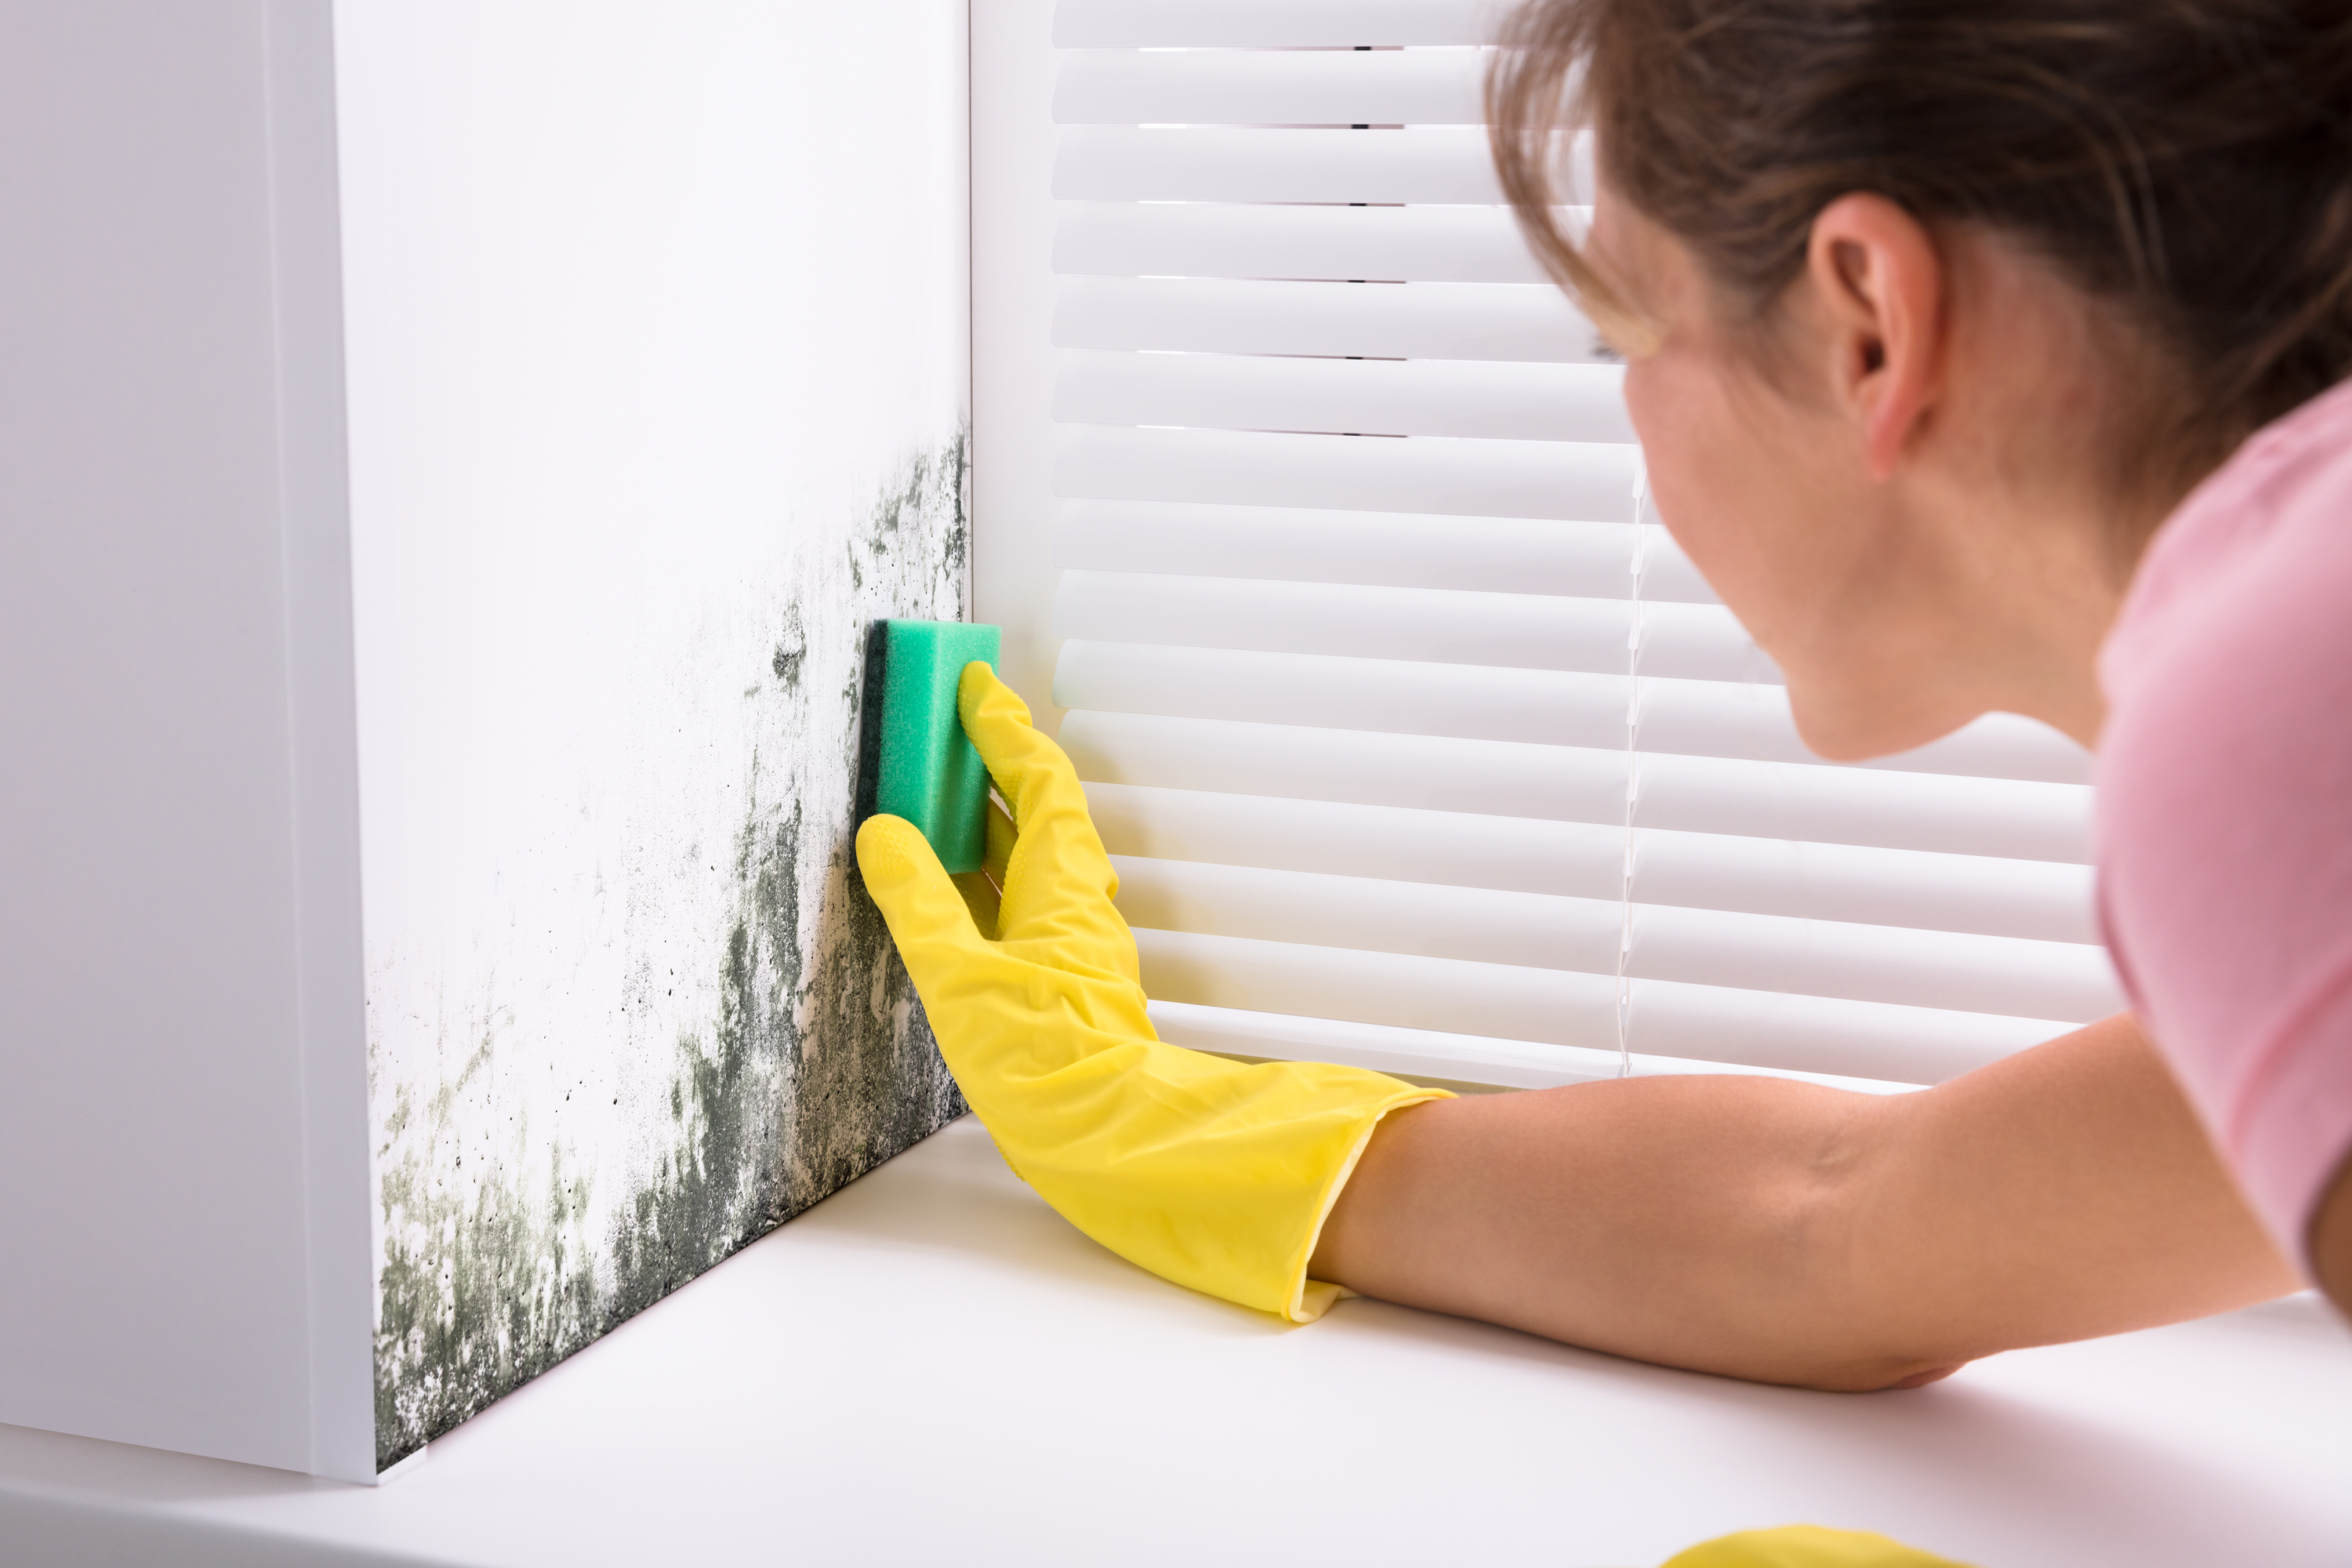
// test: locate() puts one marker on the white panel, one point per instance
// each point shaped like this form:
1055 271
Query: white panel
1204 239
1865 806
1272 24
1555 708
1292 86
1495 399
305 212
1424 474
1908 966
1810 1034
1525 631
159 1151
2046 900
1365 321
1493 555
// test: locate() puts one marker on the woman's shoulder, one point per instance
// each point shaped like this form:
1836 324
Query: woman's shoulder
2281 507
2228 672
2225 796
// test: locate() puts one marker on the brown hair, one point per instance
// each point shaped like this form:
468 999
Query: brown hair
2189 160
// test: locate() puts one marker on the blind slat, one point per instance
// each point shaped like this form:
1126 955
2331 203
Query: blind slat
1207 240
1911 966
2043 901
1441 164
1542 707
1880 807
1509 854
1825 1034
1433 1054
1481 925
1723 1024
1492 554
1548 708
1525 631
1496 400
1428 474
1952 970
1364 321
1290 87
1400 989
1271 24
1947 814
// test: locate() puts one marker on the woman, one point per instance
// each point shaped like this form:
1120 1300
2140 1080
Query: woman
1986 356
1948 326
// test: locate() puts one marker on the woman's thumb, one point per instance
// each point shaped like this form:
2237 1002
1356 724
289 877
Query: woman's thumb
927 918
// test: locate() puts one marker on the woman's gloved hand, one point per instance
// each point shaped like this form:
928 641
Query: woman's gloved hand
1211 1174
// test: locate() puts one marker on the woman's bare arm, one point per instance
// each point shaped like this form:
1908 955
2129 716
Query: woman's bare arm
1786 1233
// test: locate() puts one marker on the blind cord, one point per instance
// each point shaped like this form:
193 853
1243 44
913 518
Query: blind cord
1634 564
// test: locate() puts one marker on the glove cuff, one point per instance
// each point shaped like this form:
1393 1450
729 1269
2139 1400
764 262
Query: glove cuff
1308 1300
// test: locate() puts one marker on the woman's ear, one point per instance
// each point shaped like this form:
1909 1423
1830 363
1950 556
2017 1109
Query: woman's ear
1880 283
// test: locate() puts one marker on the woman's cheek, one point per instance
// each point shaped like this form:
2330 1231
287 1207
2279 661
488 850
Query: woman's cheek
1710 490
1673 452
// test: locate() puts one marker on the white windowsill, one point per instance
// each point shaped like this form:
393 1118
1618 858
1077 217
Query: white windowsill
931 1366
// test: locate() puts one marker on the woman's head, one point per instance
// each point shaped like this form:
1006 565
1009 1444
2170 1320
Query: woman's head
2118 234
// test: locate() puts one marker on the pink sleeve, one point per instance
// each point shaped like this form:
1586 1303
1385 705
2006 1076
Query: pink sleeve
2225 808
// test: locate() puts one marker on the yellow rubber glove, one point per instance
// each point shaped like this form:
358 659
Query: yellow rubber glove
1805 1546
1211 1174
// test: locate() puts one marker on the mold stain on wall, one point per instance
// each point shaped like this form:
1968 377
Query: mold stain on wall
756 1041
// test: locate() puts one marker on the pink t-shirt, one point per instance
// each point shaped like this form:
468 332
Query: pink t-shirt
2225 806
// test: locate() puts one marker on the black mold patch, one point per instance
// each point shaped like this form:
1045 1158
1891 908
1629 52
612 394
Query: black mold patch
869 1081
792 648
816 1068
489 1296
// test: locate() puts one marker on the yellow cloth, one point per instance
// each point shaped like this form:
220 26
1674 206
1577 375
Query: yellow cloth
1805 1546
1211 1174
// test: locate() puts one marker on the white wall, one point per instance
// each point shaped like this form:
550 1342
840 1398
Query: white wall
655 310
178 921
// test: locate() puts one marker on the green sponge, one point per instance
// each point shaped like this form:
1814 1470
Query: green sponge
914 760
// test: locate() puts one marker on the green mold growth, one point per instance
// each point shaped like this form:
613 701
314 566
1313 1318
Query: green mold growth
791 649
816 1068
868 1081
902 508
480 1298
862 1075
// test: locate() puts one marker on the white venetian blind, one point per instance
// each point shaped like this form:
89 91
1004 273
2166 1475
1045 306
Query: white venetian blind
1371 641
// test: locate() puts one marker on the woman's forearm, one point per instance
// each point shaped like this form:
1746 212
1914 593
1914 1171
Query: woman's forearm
1671 1219
1788 1232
